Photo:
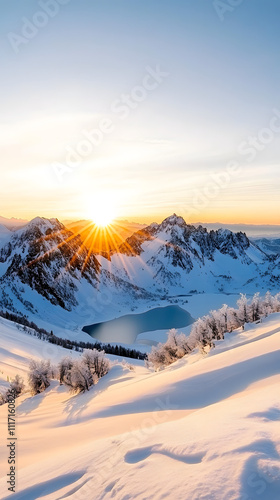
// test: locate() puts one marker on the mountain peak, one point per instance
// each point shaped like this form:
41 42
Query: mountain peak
44 224
173 220
43 221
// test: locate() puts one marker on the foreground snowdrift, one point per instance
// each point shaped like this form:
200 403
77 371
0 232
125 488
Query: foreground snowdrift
205 428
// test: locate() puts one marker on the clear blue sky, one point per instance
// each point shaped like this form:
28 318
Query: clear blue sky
222 88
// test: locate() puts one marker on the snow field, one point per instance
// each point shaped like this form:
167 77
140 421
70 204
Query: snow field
204 428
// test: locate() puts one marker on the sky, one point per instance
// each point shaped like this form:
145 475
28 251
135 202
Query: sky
140 109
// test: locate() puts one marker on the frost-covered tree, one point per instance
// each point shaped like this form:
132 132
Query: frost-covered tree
255 307
16 386
267 304
96 362
176 344
64 370
158 357
174 348
3 396
214 326
211 327
225 317
233 319
276 303
39 376
243 309
82 373
81 378
201 334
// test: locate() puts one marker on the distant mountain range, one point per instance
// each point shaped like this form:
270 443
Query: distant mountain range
47 270
125 228
251 230
12 224
271 246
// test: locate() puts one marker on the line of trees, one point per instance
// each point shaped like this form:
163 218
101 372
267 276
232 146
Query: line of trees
212 327
78 375
32 329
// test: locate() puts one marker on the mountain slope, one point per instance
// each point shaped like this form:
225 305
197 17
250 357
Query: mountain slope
209 425
47 270
174 257
271 246
49 259
4 234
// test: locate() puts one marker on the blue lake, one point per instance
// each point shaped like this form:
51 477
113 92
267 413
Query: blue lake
126 328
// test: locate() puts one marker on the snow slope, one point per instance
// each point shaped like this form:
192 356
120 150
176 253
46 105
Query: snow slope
205 428
269 245
5 233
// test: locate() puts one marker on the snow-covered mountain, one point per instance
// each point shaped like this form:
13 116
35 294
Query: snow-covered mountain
48 258
175 257
47 270
13 224
4 234
44 264
271 246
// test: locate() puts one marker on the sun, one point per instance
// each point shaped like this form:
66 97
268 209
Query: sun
101 209
102 219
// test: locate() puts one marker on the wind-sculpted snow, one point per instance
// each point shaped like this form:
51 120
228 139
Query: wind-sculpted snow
206 427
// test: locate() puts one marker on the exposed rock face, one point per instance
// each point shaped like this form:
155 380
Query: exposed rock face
175 253
183 243
49 259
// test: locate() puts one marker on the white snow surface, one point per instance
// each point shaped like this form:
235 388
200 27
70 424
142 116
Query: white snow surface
204 428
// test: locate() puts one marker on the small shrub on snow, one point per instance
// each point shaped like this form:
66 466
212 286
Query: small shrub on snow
64 370
175 348
96 362
39 376
81 374
81 378
127 365
15 389
3 397
16 386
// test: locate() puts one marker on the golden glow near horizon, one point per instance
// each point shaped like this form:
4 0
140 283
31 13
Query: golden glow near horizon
101 208
146 184
153 132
